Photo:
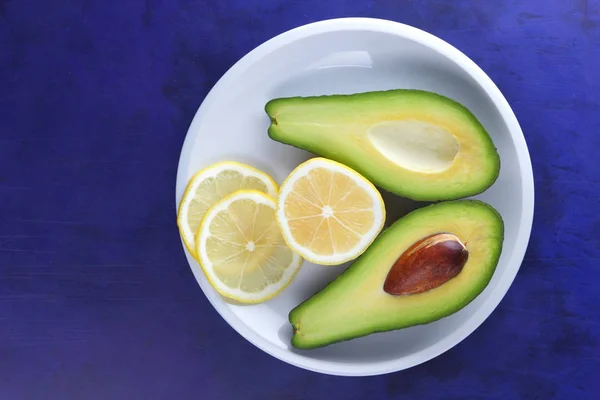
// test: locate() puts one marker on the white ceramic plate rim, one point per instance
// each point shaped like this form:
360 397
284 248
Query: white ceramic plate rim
524 162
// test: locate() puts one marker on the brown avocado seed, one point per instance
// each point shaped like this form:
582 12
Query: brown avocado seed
427 264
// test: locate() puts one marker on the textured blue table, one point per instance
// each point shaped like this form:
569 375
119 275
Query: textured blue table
96 298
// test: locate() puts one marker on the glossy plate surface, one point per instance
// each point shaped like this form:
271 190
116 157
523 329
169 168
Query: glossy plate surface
348 56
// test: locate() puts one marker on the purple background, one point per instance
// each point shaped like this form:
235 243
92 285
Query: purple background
96 298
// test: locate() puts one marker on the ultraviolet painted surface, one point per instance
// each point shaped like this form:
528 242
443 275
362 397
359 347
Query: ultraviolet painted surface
96 298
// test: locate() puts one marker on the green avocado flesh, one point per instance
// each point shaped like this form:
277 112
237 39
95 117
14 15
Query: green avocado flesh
355 304
413 143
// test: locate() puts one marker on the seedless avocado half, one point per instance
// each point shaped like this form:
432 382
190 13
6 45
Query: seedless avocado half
356 304
414 143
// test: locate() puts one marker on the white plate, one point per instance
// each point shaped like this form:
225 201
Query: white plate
347 56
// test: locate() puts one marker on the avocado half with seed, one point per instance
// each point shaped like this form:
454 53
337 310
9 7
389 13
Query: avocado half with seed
429 264
413 143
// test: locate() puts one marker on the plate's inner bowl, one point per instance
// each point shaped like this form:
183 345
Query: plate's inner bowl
235 127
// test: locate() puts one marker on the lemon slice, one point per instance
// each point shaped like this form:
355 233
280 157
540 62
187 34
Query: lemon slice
241 250
212 184
329 213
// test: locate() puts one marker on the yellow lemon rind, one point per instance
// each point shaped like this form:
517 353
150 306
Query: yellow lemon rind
300 249
213 170
295 266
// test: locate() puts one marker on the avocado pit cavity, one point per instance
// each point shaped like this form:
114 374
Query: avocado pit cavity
415 145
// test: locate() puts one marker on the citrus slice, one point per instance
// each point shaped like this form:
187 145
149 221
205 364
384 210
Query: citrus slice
329 213
212 184
241 250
